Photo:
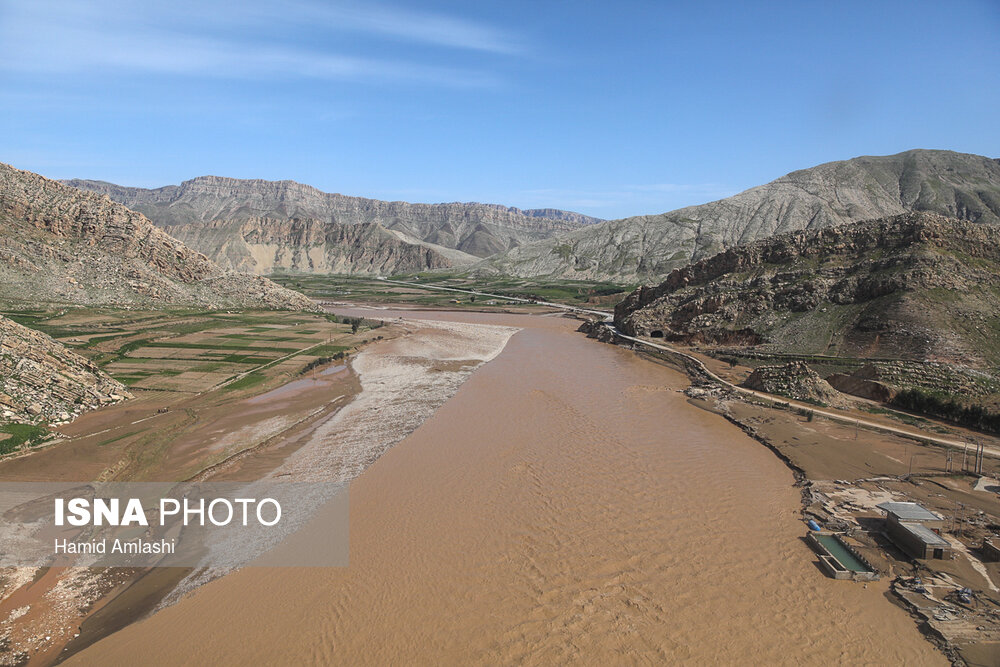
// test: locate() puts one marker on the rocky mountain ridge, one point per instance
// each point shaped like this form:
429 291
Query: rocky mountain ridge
266 245
42 382
479 230
646 248
914 286
62 245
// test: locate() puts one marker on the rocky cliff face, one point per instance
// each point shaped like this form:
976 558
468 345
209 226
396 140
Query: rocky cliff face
957 185
912 286
42 382
480 230
265 245
62 245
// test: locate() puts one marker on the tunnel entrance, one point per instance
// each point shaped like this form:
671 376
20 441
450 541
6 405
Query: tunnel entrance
656 334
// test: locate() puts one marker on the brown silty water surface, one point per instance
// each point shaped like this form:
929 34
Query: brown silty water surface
567 504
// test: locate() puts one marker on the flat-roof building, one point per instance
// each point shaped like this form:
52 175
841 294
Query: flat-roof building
916 530
910 512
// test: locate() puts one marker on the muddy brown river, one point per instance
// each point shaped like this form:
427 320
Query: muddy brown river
567 504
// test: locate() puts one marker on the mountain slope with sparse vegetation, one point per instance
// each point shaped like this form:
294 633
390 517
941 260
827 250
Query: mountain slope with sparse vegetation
62 245
956 185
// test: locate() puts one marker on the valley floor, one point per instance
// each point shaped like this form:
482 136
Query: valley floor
567 504
520 494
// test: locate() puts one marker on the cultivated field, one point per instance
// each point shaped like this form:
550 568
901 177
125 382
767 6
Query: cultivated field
370 290
193 351
192 372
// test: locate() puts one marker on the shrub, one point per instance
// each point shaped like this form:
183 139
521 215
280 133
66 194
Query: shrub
946 407
358 322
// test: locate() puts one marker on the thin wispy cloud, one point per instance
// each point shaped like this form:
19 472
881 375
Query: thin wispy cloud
408 25
55 36
368 18
175 55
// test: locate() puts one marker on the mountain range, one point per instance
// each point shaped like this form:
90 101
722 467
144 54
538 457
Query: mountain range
266 245
645 248
891 256
65 246
452 234
263 226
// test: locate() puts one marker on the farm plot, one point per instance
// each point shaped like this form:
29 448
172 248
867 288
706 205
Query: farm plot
192 351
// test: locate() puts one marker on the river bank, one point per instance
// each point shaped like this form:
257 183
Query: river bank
567 503
218 420
327 424
846 464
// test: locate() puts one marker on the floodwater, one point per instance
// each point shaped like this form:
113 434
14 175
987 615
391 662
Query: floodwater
295 386
567 504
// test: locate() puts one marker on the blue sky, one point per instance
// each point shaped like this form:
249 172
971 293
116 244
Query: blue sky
611 109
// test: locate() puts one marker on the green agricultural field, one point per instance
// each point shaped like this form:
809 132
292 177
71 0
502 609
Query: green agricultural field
360 288
247 381
191 351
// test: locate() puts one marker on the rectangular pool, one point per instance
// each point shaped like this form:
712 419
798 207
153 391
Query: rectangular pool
839 552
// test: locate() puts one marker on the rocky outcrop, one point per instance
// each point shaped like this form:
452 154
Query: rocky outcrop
42 382
62 245
479 230
956 185
915 286
598 331
266 245
797 381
